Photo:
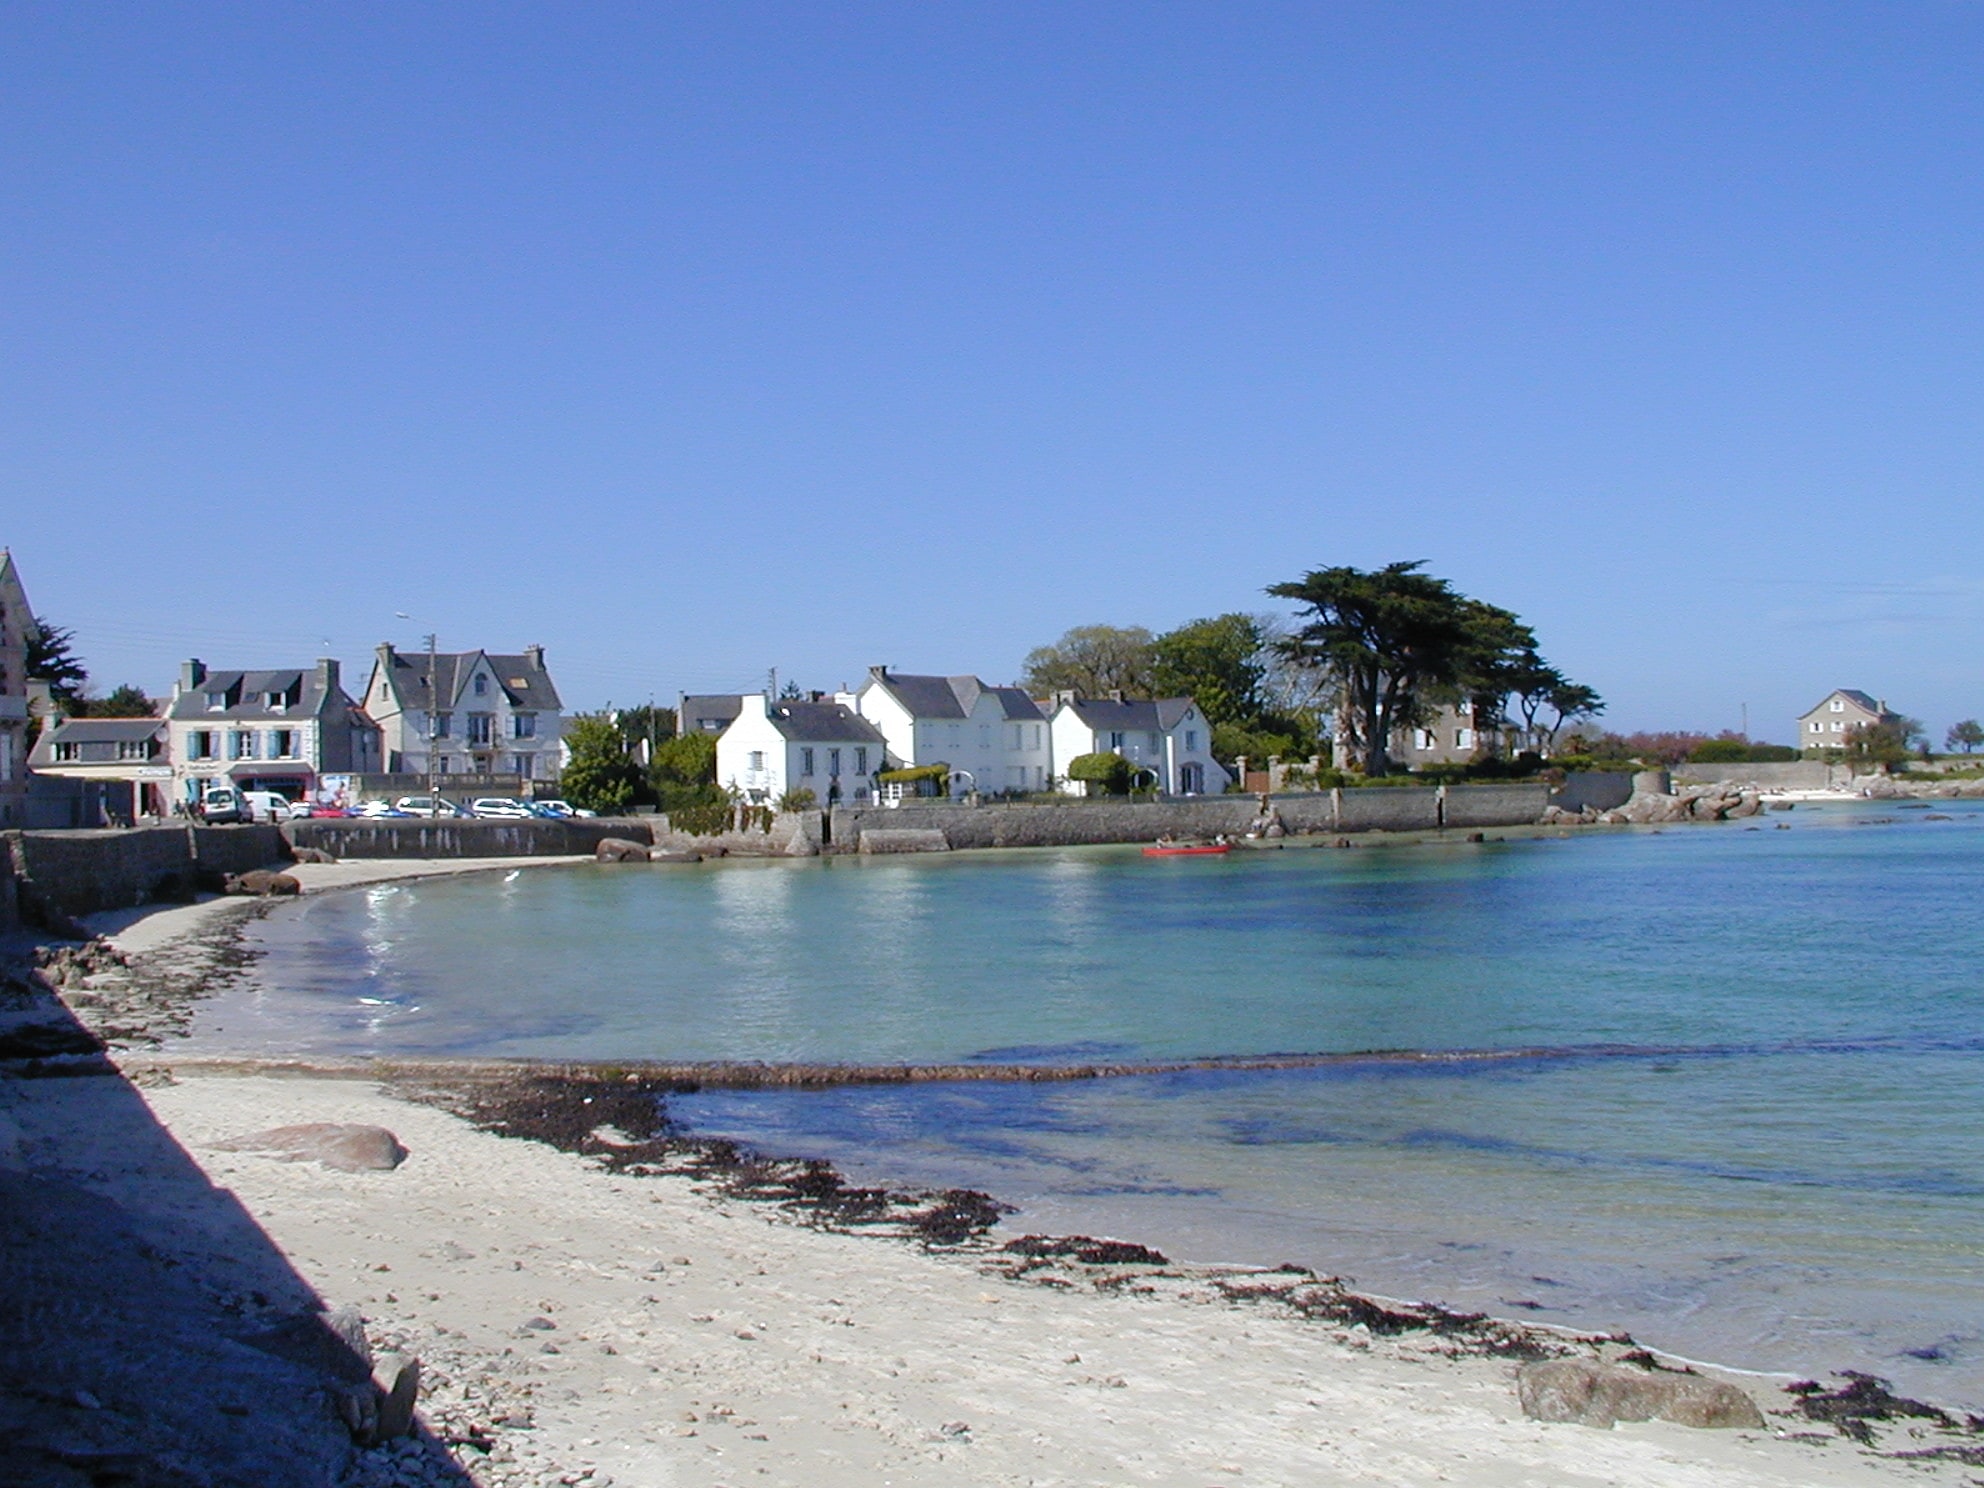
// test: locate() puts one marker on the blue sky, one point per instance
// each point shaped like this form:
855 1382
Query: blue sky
695 340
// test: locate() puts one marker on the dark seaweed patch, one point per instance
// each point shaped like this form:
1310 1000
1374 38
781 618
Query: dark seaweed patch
1086 1250
1863 1399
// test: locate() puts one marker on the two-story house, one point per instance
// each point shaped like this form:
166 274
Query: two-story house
1837 715
993 738
1167 737
776 745
17 628
467 713
281 731
122 763
707 712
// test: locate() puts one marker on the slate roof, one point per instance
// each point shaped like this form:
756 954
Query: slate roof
92 731
823 723
717 707
1131 715
248 695
954 697
1852 695
526 685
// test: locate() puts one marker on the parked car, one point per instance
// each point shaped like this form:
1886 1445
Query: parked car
376 808
563 808
223 804
500 806
428 806
320 808
269 806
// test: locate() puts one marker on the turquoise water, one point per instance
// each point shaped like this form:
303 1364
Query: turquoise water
1754 1138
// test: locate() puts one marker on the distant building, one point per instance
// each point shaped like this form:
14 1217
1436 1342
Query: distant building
478 713
17 628
281 731
1838 714
776 745
1169 737
993 738
126 759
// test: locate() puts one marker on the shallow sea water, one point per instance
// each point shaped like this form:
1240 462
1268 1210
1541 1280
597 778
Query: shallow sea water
1752 1135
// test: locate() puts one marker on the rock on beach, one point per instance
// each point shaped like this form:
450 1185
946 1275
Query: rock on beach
1592 1394
347 1148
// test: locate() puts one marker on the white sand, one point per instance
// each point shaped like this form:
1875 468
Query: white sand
708 1341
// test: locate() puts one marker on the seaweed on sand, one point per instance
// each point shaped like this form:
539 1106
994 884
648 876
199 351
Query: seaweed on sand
621 1122
1327 1299
1866 1398
1088 1251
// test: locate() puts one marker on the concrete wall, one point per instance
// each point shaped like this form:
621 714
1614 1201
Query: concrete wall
1787 775
238 849
1601 790
1005 824
470 837
82 872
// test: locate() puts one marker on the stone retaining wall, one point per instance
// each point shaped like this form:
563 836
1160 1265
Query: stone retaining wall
79 873
1781 775
1012 824
464 837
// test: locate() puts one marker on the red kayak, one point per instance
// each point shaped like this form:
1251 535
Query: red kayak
1200 850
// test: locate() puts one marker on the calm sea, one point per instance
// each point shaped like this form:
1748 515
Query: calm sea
1753 1138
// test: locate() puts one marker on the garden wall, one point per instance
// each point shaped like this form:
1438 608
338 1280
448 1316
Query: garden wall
464 837
78 873
1784 775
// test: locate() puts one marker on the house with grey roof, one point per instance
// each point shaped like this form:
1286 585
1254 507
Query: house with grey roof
777 745
17 628
467 713
707 712
994 739
283 730
1837 714
1167 740
121 765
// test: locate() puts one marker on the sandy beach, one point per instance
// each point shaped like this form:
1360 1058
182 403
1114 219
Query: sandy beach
583 1325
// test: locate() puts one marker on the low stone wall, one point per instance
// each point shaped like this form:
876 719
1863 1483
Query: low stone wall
1083 822
1600 790
78 873
464 837
1783 775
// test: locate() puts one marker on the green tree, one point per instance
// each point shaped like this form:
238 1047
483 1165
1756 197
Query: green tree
1093 660
682 773
52 659
602 775
1498 657
1569 701
1881 745
1111 772
1965 736
1216 662
1385 639
125 701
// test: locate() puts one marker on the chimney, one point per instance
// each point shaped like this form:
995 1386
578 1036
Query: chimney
1065 695
878 673
192 674
327 676
1115 694
534 656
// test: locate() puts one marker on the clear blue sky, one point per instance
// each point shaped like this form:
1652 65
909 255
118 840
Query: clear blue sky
690 340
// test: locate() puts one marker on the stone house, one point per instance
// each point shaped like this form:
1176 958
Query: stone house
283 731
17 628
1837 714
993 738
1169 737
123 763
775 745
467 713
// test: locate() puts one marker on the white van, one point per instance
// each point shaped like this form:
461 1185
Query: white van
223 804
268 806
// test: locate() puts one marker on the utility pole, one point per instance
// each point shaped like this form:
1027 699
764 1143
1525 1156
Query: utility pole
433 712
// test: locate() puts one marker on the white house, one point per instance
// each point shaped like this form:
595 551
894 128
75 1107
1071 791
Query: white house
479 713
993 738
1169 737
776 745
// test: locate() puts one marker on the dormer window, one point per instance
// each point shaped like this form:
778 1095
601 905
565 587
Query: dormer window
216 702
481 685
278 701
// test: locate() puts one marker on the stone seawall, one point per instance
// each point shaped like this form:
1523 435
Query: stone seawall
1082 822
465 837
78 873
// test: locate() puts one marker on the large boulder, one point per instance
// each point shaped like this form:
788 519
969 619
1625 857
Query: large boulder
1588 1393
620 850
261 881
349 1148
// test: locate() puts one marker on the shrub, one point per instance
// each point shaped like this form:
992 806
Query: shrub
928 780
801 799
1109 771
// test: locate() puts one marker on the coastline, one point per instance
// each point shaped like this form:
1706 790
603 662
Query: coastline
730 1367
